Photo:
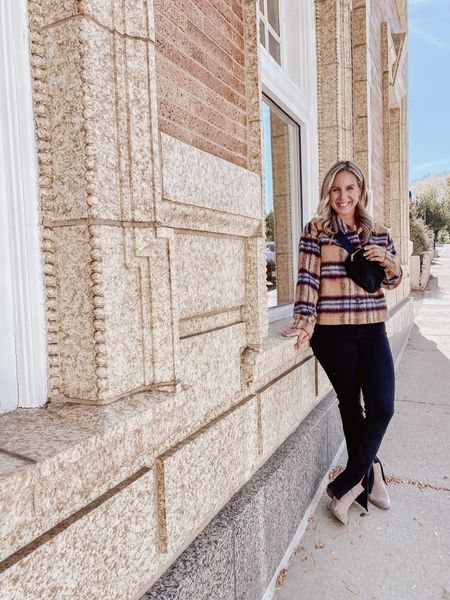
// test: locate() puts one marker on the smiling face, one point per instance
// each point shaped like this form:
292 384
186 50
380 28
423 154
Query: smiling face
344 195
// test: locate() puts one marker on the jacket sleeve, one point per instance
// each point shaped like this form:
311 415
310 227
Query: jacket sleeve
308 281
391 266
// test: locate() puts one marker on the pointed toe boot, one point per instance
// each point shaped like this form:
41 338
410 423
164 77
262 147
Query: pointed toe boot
339 506
379 494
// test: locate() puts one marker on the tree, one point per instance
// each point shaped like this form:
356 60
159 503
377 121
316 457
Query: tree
431 203
270 230
419 236
433 188
435 214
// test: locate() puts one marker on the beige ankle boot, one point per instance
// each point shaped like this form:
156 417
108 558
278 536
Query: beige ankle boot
379 494
339 507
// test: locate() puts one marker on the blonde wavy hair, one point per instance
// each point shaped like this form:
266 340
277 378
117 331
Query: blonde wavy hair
325 212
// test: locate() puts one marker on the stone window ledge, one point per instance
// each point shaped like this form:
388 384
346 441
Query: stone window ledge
57 459
276 357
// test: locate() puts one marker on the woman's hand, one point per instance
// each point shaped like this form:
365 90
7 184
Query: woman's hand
300 334
374 252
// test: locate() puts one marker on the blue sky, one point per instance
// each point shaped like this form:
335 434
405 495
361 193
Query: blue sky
429 87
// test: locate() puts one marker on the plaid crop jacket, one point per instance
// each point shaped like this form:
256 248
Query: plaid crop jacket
325 294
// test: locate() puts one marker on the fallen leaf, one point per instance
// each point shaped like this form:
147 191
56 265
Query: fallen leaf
335 472
358 593
282 575
319 545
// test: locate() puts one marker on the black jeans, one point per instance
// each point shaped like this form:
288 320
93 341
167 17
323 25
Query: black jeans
358 358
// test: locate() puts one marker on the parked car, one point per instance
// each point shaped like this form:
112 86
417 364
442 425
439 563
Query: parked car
271 272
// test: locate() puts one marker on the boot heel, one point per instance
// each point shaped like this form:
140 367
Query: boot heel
379 494
382 473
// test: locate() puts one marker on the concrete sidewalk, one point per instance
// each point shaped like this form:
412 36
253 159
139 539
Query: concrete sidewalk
404 552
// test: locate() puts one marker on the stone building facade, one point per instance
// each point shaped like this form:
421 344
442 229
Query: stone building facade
185 438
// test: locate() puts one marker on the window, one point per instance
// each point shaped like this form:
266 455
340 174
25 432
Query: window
282 203
269 27
23 375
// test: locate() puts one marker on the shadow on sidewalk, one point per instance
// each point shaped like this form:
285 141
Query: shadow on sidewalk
403 552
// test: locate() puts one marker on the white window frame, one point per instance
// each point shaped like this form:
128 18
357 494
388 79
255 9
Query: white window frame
23 355
264 17
301 106
282 310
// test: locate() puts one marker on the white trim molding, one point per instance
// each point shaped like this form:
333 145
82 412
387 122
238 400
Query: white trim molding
23 379
298 99
299 104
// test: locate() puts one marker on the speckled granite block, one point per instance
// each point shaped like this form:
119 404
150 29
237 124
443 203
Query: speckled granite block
112 550
195 177
129 17
281 491
277 355
261 519
118 334
195 477
74 453
99 91
203 572
334 427
244 515
210 273
74 312
16 478
210 366
283 405
255 309
291 484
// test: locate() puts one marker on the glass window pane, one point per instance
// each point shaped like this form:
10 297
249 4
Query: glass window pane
281 174
273 15
262 33
274 48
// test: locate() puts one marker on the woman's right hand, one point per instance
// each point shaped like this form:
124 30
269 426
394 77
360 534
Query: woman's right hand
300 334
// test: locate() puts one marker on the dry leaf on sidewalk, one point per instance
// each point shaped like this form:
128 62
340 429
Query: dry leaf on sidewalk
319 545
282 576
357 593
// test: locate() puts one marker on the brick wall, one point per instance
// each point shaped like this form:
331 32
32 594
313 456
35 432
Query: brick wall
201 76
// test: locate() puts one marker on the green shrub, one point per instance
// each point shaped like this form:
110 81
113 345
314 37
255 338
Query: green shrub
443 237
419 236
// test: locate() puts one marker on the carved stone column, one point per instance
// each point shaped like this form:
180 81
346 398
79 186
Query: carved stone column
109 268
361 91
255 310
334 63
396 202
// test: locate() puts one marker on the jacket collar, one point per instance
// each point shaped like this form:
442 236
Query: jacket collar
344 227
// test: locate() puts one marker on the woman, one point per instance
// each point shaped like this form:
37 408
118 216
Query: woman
345 326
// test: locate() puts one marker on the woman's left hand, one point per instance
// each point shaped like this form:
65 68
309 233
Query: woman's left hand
374 252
